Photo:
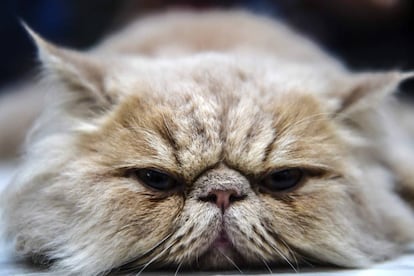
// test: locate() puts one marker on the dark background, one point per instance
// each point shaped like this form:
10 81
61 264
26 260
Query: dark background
365 34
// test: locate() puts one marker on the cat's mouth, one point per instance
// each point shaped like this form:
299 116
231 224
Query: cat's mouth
221 254
222 241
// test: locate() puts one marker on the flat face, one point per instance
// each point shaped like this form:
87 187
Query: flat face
211 161
214 131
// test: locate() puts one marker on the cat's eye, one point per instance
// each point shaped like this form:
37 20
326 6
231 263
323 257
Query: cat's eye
155 179
282 180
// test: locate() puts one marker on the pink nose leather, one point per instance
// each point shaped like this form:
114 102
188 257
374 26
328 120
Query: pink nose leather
222 198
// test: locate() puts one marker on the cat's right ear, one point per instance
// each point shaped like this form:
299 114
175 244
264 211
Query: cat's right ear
364 91
81 74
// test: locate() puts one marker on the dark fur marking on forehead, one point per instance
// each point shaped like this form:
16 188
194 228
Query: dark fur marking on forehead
199 128
251 133
170 138
269 147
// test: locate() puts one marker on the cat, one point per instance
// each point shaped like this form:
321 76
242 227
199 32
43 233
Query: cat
210 140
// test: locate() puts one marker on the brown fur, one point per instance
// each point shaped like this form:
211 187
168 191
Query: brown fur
218 110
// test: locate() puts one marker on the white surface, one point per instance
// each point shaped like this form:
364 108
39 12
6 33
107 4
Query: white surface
402 266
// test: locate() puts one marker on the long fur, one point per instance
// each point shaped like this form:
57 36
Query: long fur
218 99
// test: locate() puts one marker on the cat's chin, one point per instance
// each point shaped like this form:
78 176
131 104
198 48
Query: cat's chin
220 258
220 255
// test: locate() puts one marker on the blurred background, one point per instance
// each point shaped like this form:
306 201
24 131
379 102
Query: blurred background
365 34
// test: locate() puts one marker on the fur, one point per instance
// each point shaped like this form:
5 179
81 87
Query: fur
217 99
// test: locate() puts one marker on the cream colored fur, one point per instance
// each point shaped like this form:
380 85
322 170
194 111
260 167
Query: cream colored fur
217 99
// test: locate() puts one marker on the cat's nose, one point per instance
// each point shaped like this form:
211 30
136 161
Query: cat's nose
223 198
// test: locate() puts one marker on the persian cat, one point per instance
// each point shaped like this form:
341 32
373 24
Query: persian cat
207 141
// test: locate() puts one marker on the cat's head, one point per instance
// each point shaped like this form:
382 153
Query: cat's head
209 161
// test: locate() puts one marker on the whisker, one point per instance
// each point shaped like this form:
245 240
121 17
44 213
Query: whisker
284 257
291 252
231 261
307 260
273 243
154 259
295 253
143 254
178 268
267 267
157 244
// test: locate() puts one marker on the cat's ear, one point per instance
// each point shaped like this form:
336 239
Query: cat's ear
366 90
80 73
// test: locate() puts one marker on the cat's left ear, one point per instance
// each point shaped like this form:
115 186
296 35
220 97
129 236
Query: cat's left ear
366 90
81 74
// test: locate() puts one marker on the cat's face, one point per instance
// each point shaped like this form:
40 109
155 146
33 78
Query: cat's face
207 162
209 136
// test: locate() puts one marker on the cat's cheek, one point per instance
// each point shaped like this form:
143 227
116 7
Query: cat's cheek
144 218
152 210
291 217
314 220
